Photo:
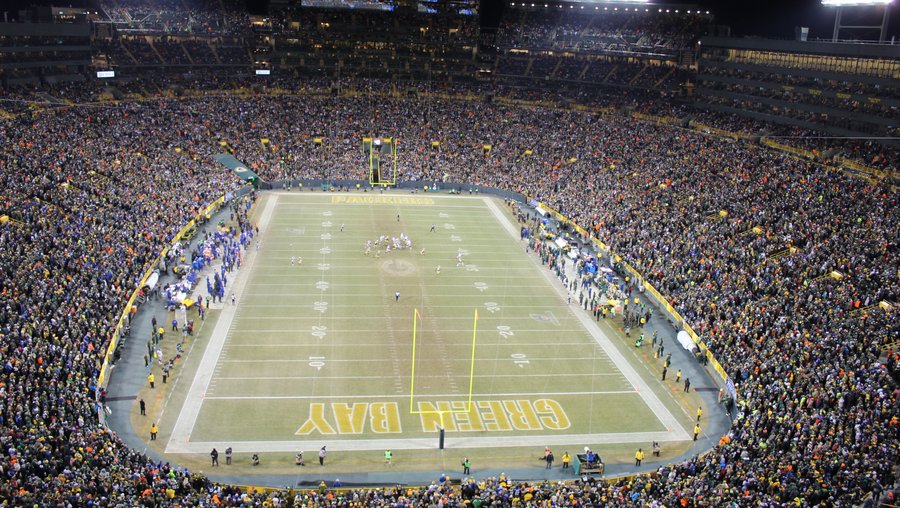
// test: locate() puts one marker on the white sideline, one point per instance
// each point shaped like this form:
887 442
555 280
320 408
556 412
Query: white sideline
656 406
187 417
405 396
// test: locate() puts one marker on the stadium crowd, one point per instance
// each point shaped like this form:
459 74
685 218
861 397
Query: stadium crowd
625 31
212 17
742 240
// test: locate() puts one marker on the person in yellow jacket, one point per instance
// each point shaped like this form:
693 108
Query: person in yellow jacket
153 430
151 378
638 457
699 413
566 458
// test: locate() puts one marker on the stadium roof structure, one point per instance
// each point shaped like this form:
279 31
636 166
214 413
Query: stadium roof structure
859 7
637 5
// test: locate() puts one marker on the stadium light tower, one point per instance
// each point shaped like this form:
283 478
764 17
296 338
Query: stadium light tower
840 5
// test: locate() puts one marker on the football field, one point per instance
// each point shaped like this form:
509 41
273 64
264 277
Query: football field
329 345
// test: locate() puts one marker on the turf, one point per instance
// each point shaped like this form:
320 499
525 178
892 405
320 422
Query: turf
322 349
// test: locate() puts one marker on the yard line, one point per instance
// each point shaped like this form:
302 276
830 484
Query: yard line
406 396
442 376
385 344
408 208
360 316
487 277
357 245
650 399
381 360
296 306
408 327
452 271
386 296
187 417
469 286
408 211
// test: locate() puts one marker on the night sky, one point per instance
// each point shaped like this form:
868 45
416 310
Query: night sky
777 18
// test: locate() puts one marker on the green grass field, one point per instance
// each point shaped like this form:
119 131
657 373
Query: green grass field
322 352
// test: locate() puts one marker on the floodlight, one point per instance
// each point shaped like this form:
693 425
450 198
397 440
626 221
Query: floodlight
840 5
855 3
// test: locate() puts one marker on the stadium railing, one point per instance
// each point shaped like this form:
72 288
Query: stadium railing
800 152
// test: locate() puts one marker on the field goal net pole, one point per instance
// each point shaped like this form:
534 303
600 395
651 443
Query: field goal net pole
412 383
381 154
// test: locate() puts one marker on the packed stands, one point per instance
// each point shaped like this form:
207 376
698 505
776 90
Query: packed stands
754 284
848 90
794 289
213 17
633 30
615 46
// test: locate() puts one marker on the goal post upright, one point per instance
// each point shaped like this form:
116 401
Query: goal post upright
472 364
376 150
412 377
